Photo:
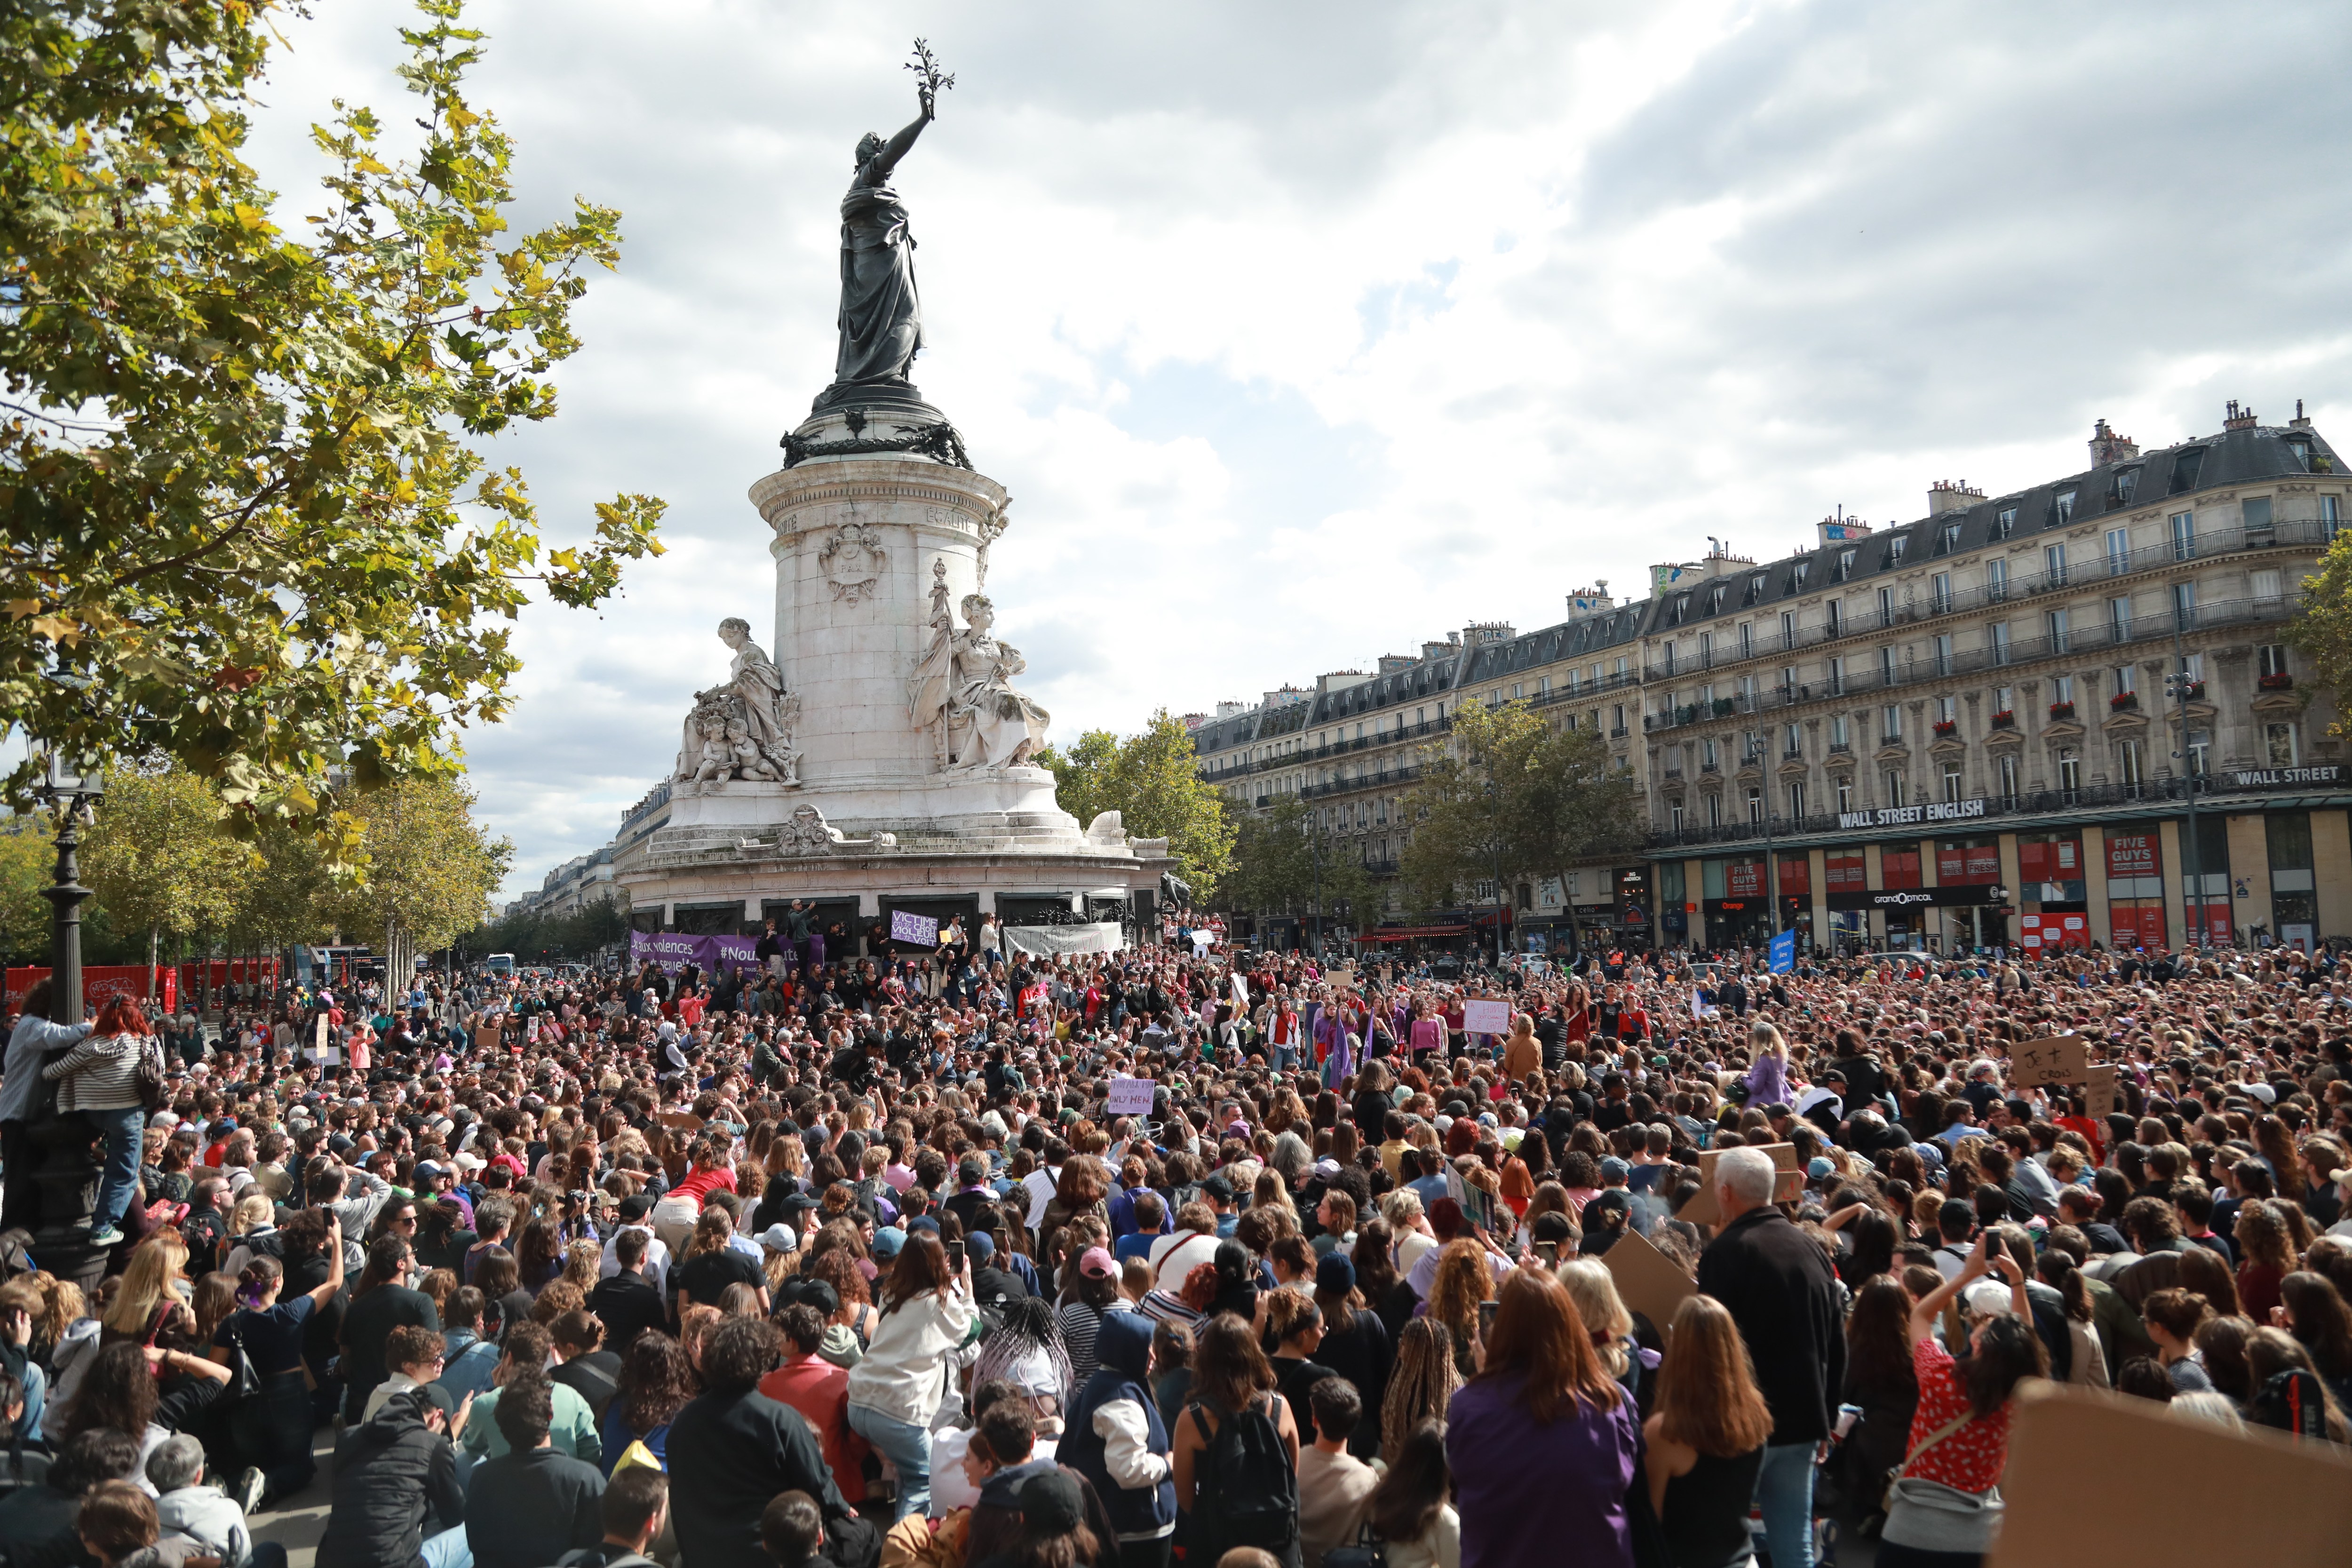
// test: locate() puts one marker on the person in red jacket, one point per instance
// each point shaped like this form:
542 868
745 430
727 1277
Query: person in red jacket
820 1392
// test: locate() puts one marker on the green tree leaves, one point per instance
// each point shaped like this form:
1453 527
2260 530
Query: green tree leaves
1151 780
1506 796
1276 868
250 523
161 857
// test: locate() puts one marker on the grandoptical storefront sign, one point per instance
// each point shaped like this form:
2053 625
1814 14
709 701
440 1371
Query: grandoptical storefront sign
1968 895
1903 816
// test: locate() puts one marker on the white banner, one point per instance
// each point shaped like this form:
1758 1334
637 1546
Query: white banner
1102 936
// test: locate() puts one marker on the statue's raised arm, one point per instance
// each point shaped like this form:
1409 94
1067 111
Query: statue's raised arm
875 170
881 317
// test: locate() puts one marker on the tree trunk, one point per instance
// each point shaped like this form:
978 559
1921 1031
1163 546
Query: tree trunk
154 940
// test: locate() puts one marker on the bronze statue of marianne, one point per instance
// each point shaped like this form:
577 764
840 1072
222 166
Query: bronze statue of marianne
881 313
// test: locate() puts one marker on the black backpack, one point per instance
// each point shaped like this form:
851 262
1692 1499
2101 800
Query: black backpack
1244 1491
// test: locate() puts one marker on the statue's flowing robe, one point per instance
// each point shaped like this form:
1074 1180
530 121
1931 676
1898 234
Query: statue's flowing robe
881 315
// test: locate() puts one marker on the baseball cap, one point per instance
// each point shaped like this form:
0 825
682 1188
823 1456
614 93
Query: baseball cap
1986 1299
888 1241
1096 1264
778 1237
1612 1169
981 1245
1051 1504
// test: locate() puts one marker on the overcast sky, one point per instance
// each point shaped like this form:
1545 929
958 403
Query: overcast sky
1302 333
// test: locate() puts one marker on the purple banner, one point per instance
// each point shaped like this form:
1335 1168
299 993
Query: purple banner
907 926
673 950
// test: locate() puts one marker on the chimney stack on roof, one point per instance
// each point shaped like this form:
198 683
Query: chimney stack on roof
1946 495
2107 446
2299 422
1479 632
2238 418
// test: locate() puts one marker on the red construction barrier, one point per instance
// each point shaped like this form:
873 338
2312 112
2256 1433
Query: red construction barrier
99 982
177 985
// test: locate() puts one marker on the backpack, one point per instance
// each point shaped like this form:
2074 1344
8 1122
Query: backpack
148 1074
1244 1491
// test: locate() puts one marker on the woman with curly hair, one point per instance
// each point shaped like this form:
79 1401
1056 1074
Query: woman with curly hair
2265 1244
1463 1281
654 1384
1421 1385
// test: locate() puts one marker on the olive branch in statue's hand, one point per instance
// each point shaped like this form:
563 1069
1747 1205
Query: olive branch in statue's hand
926 65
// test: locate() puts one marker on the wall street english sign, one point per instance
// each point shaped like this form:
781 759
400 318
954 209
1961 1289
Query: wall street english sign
1903 816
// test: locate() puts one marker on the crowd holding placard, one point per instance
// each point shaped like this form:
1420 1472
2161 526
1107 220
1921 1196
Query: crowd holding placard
843 1258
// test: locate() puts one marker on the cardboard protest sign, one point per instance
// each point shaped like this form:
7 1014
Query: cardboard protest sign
1646 1281
2046 1525
1787 1182
1341 977
2103 1099
2059 1060
1131 1096
1487 1018
486 1038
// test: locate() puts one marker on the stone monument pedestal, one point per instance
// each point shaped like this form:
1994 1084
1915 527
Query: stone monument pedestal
907 775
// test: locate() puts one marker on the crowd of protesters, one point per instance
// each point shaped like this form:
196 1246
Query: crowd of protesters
846 1257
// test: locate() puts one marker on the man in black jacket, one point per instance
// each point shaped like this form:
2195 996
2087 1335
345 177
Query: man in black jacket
383 1305
531 1504
734 1448
1778 1285
395 1483
628 1303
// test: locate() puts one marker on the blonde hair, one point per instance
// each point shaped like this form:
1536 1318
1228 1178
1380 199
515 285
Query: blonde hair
154 1264
1593 1289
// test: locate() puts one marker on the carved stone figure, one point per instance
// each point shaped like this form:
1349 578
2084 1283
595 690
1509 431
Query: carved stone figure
807 832
963 689
743 729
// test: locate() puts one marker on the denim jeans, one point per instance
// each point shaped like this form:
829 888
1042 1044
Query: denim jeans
906 1446
120 1176
1784 1493
450 1549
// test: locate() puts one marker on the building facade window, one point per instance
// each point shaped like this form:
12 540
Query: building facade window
1892 782
2278 745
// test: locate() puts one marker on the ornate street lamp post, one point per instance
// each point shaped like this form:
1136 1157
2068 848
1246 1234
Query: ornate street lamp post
66 1163
71 793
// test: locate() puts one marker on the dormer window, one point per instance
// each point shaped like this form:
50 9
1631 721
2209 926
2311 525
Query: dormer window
2061 509
2301 452
1714 598
2185 469
1797 576
1894 549
2005 522
1682 607
2125 481
1950 539
1755 589
1844 565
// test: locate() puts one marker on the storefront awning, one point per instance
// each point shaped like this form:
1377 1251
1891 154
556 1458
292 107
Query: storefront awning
1409 933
